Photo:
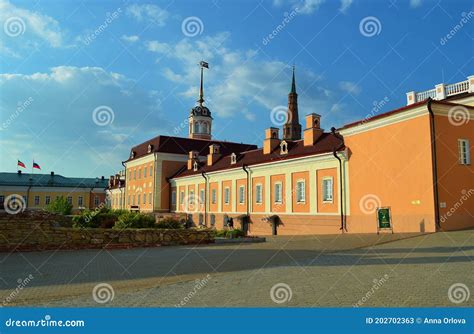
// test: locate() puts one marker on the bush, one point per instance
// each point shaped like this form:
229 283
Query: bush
221 233
169 223
60 205
230 234
135 220
104 217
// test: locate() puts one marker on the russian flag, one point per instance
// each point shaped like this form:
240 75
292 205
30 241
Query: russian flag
35 165
21 164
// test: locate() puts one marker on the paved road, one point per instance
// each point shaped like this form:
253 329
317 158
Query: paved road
366 270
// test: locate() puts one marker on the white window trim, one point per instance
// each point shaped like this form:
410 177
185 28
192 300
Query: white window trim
281 193
226 195
464 159
242 198
258 185
323 189
303 200
214 196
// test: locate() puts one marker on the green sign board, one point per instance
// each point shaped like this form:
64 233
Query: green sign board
383 217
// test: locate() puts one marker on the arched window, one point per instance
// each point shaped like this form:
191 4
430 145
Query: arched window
284 147
196 127
204 127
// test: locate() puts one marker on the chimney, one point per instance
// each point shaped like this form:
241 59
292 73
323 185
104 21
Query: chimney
111 181
271 141
214 154
19 172
52 173
313 129
192 158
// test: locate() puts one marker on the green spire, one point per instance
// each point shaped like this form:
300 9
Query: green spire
293 84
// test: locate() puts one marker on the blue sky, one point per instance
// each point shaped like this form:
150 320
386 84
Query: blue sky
135 64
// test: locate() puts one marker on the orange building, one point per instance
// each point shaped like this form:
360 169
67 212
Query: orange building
407 170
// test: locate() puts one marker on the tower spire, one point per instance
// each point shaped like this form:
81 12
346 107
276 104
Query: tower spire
203 65
292 127
293 84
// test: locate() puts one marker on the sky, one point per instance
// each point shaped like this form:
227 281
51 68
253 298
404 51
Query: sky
81 82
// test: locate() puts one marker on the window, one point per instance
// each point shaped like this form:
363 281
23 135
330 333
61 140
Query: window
128 200
214 196
181 197
149 198
47 200
278 194
144 172
96 201
173 197
133 199
226 195
134 174
191 197
80 201
464 153
213 220
241 195
69 199
139 174
327 189
2 200
151 171
201 197
284 147
258 194
138 199
300 191
37 200
233 159
201 219
24 199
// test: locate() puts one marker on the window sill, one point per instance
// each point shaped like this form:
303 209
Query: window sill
328 202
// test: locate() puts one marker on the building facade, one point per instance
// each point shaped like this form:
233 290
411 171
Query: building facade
36 191
407 170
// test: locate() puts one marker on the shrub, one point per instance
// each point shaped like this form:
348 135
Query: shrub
234 234
221 233
60 205
170 223
135 220
104 217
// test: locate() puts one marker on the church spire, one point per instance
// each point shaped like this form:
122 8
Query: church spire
200 119
292 127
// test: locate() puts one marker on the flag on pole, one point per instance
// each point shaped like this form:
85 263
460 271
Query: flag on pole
204 64
35 165
21 164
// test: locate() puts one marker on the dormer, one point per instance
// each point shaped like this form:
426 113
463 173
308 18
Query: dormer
133 154
233 159
283 147
150 148
192 160
214 154
195 166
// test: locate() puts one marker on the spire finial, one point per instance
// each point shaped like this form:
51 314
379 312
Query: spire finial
202 64
293 84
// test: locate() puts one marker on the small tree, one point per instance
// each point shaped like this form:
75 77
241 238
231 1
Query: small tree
60 205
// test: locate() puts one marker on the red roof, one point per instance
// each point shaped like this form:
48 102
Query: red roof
326 143
178 145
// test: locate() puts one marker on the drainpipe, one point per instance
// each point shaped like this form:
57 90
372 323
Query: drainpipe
205 198
334 152
125 189
435 163
244 167
28 196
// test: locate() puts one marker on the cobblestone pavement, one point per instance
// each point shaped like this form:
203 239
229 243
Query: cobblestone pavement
345 270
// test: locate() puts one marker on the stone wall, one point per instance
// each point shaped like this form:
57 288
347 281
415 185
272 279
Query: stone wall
27 232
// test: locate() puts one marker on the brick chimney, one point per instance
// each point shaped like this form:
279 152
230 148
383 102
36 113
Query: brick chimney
313 129
192 158
214 154
271 140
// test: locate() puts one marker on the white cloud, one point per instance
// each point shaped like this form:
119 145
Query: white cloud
350 87
130 39
415 3
345 4
151 14
32 23
308 6
155 46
